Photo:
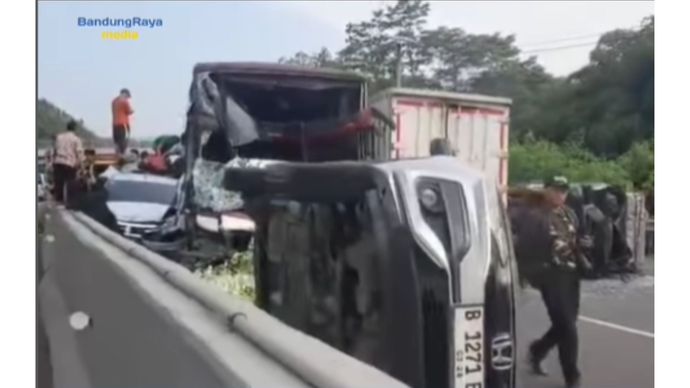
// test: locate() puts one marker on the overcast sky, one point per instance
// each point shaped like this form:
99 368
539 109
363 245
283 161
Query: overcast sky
81 73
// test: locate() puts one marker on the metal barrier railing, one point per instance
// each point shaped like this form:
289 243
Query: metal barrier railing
312 360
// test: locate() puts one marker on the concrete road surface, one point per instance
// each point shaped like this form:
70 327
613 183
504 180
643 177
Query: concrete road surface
616 330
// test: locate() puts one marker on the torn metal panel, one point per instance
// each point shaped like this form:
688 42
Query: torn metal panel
277 104
212 110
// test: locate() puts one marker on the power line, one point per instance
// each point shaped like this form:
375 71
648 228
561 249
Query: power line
570 38
558 48
578 37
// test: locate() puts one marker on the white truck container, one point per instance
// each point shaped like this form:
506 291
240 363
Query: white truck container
476 126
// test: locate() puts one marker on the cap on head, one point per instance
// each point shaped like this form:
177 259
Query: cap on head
557 182
440 146
126 92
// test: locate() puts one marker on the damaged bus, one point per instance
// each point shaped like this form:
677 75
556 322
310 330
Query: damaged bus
250 115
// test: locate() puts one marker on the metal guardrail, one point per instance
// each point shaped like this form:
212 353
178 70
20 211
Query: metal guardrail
257 349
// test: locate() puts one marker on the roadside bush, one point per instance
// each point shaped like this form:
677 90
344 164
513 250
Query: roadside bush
235 277
639 164
536 160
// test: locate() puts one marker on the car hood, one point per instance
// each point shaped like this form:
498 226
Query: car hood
140 212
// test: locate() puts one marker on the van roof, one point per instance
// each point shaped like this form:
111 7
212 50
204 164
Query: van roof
265 68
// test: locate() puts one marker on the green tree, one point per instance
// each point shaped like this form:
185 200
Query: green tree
605 107
639 164
322 58
457 58
534 93
616 91
392 33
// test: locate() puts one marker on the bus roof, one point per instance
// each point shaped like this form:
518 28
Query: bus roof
264 68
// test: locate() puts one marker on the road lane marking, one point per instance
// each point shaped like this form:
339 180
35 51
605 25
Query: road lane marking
617 327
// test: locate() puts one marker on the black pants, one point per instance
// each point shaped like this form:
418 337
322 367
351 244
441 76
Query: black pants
560 290
63 175
120 138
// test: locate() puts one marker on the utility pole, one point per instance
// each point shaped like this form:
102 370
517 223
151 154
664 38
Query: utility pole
398 65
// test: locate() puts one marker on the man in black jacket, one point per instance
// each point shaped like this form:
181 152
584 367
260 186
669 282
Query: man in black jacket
559 284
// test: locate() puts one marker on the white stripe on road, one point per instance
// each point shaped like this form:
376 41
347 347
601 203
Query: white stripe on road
617 327
610 325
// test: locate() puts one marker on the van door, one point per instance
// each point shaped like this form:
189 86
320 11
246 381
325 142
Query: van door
418 121
480 138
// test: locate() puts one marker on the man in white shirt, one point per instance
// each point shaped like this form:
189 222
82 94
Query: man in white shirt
68 156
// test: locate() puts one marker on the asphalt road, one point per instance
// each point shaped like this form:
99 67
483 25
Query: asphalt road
616 350
44 371
137 336
616 330
127 344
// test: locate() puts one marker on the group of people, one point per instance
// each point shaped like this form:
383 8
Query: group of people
69 161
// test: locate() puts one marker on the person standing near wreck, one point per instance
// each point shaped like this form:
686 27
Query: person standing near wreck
68 156
559 283
121 109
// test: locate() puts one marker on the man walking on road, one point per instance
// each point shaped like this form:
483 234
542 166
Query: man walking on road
559 283
68 155
121 127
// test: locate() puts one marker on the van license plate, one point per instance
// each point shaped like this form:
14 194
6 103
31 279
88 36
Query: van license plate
469 347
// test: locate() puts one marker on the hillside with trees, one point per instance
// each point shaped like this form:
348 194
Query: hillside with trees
51 120
596 124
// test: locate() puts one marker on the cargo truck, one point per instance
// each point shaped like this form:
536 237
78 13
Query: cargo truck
475 126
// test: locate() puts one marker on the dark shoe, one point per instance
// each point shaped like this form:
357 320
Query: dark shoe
535 363
574 383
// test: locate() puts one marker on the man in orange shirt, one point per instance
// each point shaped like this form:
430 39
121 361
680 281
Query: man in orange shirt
121 128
